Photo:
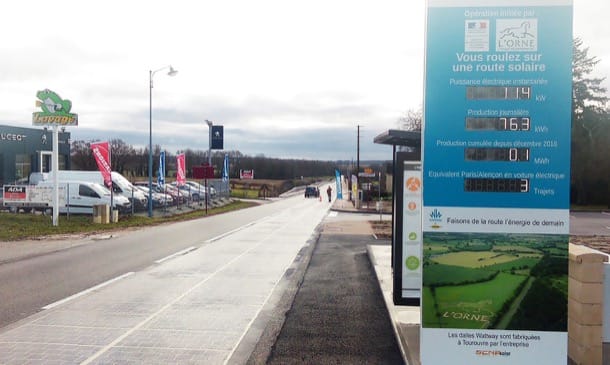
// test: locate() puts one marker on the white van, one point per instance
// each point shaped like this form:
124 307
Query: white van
120 185
81 196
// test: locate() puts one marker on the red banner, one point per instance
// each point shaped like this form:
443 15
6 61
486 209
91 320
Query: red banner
101 152
181 170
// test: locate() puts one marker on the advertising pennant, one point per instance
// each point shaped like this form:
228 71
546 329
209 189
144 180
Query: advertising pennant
225 168
338 182
180 170
161 174
101 152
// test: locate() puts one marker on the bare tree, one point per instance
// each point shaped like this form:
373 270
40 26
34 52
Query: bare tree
411 120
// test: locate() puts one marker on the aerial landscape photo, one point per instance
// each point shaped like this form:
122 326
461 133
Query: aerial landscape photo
495 281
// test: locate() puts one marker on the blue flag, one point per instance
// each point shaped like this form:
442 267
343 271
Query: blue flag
225 168
161 174
338 182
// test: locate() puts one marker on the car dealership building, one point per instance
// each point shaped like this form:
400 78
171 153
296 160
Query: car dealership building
27 150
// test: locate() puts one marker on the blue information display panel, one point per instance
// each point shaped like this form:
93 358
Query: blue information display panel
496 181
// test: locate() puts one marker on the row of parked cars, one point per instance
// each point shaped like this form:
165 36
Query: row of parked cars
172 194
85 189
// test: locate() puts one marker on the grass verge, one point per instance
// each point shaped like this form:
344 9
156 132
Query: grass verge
17 227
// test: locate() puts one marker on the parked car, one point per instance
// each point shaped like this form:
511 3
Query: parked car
83 195
178 197
201 188
159 199
312 192
120 185
191 193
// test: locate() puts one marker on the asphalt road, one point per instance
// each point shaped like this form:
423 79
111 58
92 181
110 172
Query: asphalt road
29 283
338 315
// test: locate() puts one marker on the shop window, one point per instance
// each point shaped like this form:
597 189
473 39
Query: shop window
23 168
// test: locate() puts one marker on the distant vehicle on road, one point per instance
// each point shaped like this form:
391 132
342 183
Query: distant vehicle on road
312 192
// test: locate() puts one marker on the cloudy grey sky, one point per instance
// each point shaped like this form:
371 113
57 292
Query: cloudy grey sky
289 79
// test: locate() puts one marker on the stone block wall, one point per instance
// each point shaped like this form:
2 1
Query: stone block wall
585 305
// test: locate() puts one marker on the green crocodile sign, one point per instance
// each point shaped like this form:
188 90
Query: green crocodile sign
55 110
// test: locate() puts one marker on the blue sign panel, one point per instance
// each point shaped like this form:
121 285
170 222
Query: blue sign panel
498 107
496 181
217 137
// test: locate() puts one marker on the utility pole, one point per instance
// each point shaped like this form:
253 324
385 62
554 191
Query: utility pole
357 197
358 153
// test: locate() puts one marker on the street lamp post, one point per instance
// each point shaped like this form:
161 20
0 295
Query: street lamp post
210 124
207 190
152 73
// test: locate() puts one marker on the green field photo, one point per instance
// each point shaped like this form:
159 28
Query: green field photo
495 281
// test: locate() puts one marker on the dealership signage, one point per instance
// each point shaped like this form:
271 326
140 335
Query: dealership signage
246 174
496 168
12 137
30 196
55 111
203 172
217 138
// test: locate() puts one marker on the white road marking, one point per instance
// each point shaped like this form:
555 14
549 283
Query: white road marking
182 252
333 214
240 228
65 300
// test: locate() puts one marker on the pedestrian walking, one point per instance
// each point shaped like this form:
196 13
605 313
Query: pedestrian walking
329 192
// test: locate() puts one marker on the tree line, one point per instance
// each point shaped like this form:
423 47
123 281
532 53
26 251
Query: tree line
133 162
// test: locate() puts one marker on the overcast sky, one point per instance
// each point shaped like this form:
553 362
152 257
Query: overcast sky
288 79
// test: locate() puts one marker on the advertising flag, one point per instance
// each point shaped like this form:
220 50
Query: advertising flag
181 170
161 175
338 182
225 168
101 152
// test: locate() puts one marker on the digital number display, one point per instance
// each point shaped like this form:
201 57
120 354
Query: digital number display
489 185
498 92
512 124
497 154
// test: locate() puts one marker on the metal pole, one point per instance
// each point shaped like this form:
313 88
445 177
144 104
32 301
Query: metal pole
210 124
357 198
55 164
150 74
380 207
